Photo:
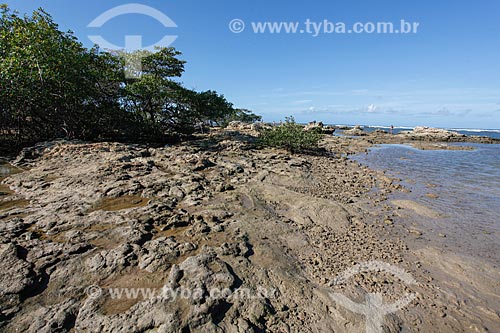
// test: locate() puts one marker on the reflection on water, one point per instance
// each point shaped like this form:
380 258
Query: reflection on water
464 185
5 205
5 192
124 202
6 169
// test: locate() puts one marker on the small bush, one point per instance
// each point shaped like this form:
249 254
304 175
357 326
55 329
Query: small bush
291 136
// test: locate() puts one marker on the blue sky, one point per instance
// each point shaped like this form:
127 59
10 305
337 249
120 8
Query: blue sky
446 75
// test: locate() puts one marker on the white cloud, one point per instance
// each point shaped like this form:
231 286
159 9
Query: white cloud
372 108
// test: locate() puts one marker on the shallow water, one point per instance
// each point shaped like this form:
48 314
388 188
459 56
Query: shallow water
462 185
6 169
124 202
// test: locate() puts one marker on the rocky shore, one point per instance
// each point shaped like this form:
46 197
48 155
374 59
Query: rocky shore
421 137
216 235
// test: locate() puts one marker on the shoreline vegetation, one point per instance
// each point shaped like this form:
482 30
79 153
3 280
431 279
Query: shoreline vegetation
158 187
53 87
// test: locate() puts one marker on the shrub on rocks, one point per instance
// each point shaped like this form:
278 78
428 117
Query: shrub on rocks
290 136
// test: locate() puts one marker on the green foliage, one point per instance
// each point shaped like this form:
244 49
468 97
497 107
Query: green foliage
245 116
152 93
291 136
212 108
164 103
51 86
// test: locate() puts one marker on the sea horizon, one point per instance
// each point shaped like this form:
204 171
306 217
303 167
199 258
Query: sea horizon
488 132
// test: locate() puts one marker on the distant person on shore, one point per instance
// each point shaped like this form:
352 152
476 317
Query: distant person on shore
391 131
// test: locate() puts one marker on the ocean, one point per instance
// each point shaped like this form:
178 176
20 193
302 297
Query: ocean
492 133
462 185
